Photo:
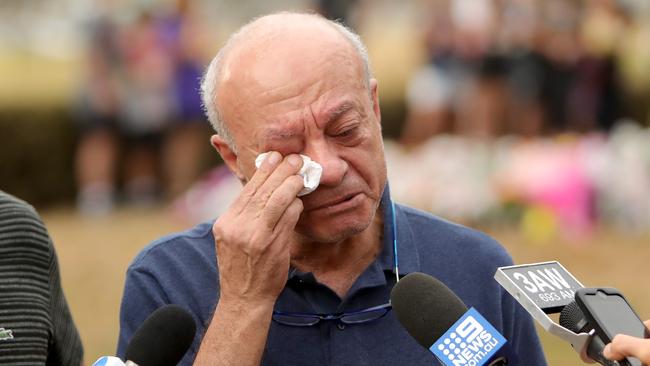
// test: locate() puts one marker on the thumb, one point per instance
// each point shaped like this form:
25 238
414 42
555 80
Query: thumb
624 345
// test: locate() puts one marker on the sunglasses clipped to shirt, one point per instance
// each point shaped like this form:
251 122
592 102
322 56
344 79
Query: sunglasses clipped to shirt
349 318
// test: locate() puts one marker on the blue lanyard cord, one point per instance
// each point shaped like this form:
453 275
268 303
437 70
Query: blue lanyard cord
392 206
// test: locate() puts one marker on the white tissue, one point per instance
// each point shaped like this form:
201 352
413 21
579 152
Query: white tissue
310 172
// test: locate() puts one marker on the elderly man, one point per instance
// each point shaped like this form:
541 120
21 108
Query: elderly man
281 280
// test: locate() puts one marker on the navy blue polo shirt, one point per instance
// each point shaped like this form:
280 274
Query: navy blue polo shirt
181 269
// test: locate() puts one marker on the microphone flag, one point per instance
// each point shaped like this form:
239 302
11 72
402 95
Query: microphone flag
472 340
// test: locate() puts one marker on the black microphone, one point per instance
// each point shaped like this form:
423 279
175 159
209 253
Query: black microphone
162 339
573 319
429 311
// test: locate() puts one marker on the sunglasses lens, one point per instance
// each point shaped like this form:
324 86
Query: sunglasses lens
364 316
295 320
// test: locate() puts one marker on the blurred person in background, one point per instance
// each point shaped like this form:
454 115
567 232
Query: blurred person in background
36 327
597 97
339 10
525 77
461 88
182 154
432 93
140 108
98 110
481 108
147 105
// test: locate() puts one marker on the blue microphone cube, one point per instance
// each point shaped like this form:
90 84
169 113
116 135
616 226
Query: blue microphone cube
472 341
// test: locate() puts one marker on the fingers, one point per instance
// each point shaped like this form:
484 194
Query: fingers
288 168
270 191
285 226
624 346
271 174
281 199
259 177
288 221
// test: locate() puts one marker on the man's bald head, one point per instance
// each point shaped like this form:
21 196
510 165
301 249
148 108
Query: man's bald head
265 32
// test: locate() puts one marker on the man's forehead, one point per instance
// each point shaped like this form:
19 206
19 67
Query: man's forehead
278 47
273 35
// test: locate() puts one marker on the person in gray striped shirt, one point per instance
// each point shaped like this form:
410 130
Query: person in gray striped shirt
36 327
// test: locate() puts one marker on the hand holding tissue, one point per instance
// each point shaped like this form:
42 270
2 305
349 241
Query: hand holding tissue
310 172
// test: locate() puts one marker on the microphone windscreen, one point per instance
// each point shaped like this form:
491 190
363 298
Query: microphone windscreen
163 338
425 307
573 319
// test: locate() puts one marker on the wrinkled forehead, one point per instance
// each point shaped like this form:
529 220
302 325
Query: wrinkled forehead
286 70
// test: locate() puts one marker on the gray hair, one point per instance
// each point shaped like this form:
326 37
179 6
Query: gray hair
211 77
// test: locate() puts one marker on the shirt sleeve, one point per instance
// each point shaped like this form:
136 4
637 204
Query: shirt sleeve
65 345
142 296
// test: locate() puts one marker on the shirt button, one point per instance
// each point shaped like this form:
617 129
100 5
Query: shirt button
341 326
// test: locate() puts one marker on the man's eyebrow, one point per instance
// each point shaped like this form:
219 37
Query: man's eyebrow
331 115
338 111
277 134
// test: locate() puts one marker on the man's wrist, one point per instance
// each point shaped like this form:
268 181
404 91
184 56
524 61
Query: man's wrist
242 306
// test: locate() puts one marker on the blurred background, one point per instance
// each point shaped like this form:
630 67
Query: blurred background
529 119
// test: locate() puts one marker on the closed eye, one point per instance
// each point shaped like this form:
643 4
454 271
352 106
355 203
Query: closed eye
347 132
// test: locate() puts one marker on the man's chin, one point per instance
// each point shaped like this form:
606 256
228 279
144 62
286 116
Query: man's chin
331 232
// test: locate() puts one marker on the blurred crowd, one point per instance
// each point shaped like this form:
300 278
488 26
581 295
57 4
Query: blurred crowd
529 112
139 109
564 185
529 67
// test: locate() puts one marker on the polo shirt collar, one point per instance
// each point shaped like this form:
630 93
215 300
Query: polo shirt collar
407 252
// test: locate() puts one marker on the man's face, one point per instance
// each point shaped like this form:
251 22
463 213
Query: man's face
309 97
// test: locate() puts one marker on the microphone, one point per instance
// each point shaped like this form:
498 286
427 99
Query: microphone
440 322
108 361
573 319
587 315
162 340
545 288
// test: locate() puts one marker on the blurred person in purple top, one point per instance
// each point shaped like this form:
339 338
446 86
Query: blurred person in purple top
184 36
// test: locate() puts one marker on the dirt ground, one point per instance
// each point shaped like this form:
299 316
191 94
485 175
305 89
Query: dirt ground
95 252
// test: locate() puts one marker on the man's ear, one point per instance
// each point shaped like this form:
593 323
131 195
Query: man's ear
374 94
227 154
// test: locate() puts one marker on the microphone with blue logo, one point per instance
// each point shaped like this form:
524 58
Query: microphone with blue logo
162 340
439 320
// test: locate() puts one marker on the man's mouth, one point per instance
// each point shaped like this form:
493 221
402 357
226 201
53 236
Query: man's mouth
340 203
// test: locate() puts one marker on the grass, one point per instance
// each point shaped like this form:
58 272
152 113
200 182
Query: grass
95 252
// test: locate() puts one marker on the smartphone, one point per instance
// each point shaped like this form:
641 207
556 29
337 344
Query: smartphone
609 313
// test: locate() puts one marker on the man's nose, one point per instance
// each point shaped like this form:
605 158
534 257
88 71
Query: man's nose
334 168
